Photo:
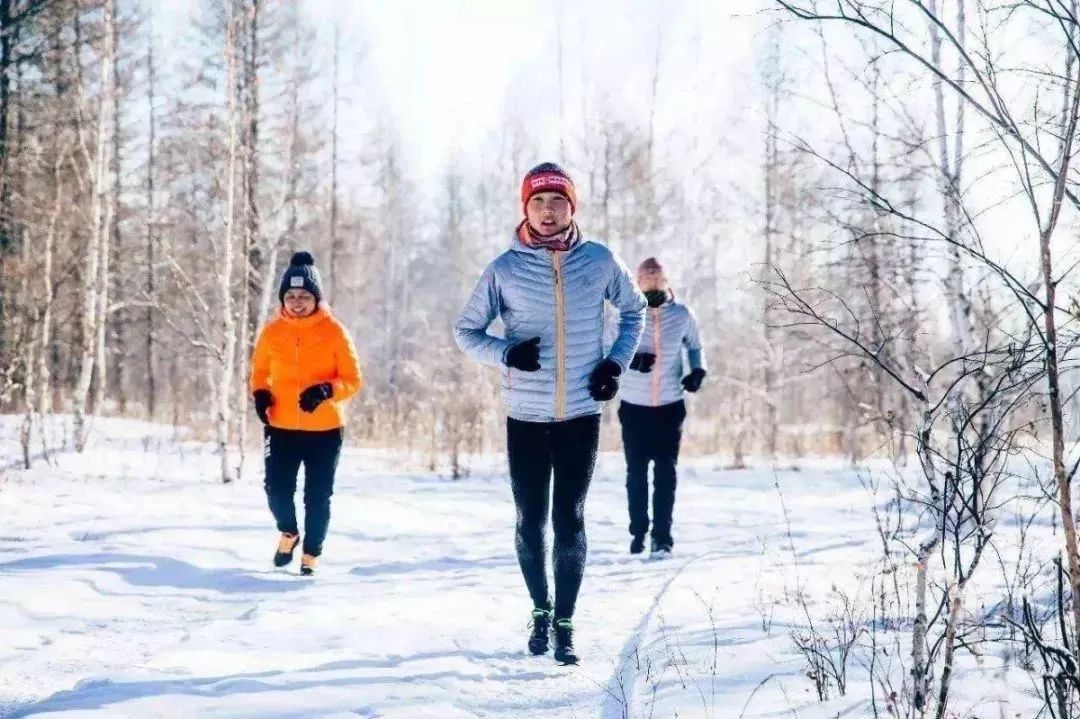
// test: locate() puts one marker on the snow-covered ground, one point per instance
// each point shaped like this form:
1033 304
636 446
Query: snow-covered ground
132 584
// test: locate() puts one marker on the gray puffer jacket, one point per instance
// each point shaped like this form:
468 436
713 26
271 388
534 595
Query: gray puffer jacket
668 329
558 297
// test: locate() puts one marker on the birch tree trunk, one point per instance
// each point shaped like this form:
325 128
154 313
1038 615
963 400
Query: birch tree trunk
254 259
949 178
955 596
32 311
151 220
117 321
876 258
227 348
772 161
919 669
109 224
44 338
45 330
92 271
909 310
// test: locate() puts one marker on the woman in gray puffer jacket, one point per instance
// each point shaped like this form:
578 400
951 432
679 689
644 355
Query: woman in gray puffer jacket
652 409
549 290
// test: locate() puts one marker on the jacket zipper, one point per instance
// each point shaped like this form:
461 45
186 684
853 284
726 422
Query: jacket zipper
560 339
299 389
658 368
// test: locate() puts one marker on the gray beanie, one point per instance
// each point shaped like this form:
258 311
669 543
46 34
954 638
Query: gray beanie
301 274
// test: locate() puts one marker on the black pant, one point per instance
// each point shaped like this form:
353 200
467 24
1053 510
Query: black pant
535 449
651 434
284 450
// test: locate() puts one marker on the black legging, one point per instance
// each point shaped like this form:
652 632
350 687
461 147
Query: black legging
651 434
535 449
285 450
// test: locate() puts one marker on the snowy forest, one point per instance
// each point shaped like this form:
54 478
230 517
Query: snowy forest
872 207
154 191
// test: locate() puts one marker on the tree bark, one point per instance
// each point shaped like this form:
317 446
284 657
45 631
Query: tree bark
7 22
109 228
92 270
771 167
950 176
227 346
151 220
919 668
1062 478
254 258
116 321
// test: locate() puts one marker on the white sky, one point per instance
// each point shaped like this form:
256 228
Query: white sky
446 69
445 74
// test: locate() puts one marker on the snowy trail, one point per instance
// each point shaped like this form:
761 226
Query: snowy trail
122 596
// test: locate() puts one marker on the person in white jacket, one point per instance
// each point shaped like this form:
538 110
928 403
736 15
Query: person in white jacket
652 410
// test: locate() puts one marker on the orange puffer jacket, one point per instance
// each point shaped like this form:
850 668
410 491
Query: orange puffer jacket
293 354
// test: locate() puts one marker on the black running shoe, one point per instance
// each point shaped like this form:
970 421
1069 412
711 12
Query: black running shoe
541 624
564 642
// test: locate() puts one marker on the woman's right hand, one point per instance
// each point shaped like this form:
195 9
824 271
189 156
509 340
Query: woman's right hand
643 362
263 402
524 356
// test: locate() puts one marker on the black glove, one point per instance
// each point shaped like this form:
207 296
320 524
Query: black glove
314 395
263 402
602 382
524 356
692 382
643 362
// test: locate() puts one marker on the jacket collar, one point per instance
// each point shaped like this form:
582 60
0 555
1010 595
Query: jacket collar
517 245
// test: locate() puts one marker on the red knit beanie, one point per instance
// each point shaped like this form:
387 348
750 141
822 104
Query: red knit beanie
548 177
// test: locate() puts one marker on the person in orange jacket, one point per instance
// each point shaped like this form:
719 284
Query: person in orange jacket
303 371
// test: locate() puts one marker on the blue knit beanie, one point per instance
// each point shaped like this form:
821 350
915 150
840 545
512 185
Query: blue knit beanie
301 275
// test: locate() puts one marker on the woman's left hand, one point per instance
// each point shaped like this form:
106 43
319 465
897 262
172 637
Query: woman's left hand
315 395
